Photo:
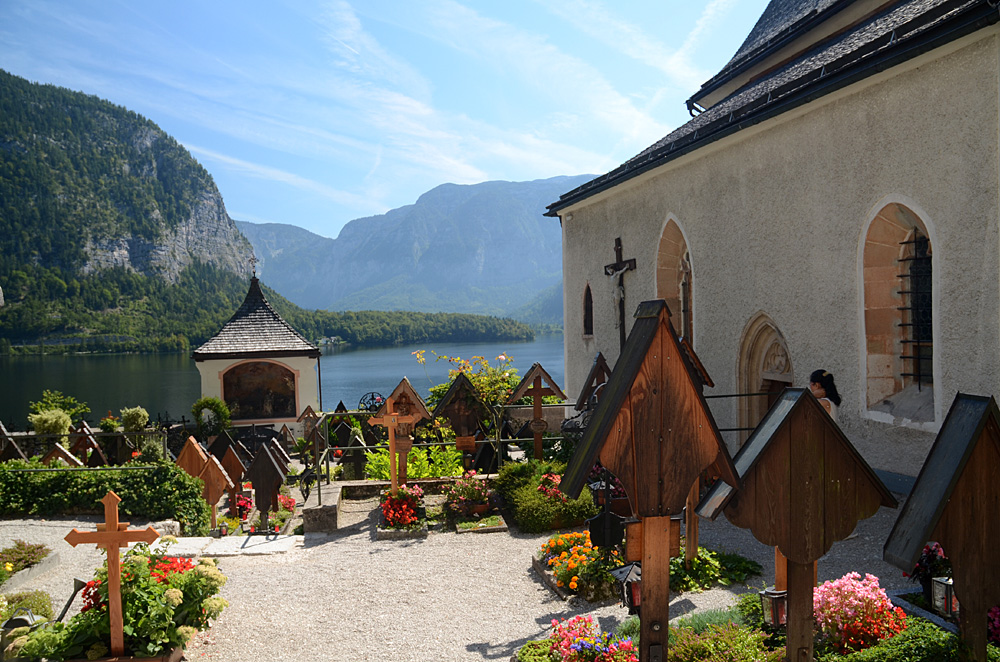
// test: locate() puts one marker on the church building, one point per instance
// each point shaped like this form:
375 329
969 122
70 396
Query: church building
263 369
833 204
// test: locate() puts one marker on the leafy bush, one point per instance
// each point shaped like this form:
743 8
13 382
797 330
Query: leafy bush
163 492
134 419
630 628
700 621
436 462
165 601
709 568
56 400
39 602
721 643
853 613
23 555
535 651
51 421
535 511
921 641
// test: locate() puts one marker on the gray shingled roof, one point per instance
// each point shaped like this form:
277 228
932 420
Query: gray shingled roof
255 331
904 31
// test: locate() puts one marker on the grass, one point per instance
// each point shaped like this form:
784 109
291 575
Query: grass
480 523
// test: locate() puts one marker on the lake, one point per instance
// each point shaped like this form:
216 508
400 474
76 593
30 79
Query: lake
168 384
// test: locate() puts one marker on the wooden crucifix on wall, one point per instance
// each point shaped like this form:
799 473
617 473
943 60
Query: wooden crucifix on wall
618 268
400 412
536 384
110 536
654 431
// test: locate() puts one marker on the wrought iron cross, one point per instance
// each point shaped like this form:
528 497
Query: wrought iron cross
619 267
111 535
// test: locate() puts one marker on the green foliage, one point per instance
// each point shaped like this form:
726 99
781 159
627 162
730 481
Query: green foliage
535 651
163 492
134 419
23 555
749 609
629 629
535 511
212 416
51 421
39 602
700 621
433 462
921 641
493 383
721 643
56 400
710 568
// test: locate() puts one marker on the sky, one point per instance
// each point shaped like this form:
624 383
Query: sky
314 113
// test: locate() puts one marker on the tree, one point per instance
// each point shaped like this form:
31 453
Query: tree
56 400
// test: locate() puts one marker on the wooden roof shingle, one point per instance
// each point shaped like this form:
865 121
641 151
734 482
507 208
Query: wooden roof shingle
255 331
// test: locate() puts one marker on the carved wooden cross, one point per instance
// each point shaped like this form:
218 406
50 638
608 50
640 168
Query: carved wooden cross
620 266
390 420
111 535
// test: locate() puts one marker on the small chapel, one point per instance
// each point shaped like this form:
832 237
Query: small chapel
832 204
265 371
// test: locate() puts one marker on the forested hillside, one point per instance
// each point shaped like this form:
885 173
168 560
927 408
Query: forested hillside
112 237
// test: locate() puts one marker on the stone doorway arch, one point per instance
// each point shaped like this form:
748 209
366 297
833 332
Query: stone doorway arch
674 283
764 367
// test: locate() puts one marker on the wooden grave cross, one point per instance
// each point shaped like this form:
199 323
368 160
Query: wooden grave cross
235 468
653 430
110 536
59 452
804 487
217 482
618 268
400 412
536 384
464 409
267 476
192 458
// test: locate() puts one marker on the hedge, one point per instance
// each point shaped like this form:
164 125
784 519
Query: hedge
163 492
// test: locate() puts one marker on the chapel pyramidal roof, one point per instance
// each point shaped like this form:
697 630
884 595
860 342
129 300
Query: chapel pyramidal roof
255 330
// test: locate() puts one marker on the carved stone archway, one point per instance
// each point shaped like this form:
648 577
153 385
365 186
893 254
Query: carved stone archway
764 367
674 278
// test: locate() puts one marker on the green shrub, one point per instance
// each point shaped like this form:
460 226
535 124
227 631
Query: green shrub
535 651
749 608
921 641
710 568
535 512
56 400
51 421
629 629
721 643
134 419
163 492
700 621
23 555
439 462
39 602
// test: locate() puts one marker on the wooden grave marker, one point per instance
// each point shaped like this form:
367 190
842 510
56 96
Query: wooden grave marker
400 412
286 437
954 502
267 476
594 384
280 453
655 432
59 452
11 451
192 458
536 384
217 482
804 487
220 445
84 445
465 410
235 468
111 536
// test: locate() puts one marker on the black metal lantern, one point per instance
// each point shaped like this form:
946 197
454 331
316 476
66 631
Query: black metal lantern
629 579
943 594
774 604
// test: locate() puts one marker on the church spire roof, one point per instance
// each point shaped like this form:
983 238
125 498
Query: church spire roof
255 330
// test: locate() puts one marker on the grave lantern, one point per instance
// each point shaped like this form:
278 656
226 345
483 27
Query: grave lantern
954 502
774 605
629 580
654 431
943 596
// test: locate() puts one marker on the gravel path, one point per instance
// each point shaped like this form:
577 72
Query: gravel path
347 596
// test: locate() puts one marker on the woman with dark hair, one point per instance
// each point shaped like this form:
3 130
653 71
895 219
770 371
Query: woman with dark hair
822 386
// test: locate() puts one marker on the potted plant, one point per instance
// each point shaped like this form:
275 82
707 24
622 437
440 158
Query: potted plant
930 564
468 496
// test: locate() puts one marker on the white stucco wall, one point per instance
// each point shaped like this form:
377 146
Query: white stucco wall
774 216
307 385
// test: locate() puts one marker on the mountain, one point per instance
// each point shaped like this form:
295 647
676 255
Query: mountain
481 248
113 237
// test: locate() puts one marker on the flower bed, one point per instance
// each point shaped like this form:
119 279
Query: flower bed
165 601
530 493
579 567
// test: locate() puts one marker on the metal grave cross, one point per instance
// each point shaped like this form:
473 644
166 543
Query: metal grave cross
390 420
619 267
111 535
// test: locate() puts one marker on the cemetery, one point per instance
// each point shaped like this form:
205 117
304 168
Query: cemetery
629 532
